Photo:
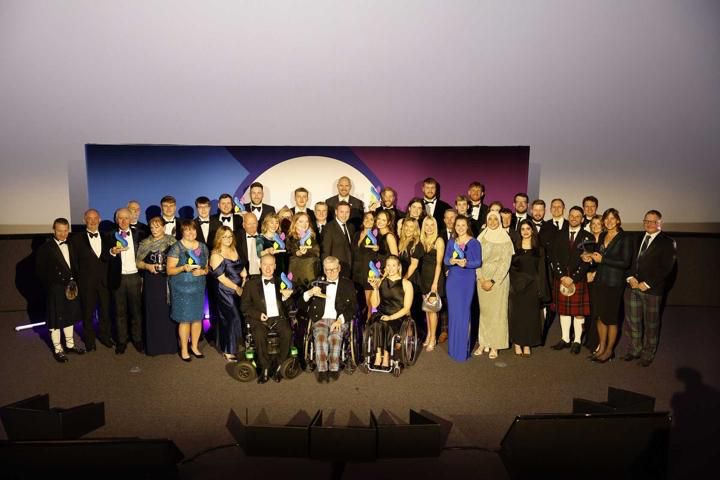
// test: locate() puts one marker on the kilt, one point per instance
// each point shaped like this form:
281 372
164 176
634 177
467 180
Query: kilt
576 305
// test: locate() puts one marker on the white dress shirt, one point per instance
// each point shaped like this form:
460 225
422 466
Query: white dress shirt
253 259
230 223
271 306
430 206
205 227
170 226
254 209
127 257
95 243
64 250
558 222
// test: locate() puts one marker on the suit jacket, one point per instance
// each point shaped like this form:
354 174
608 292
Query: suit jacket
310 213
54 273
394 211
334 243
552 231
439 212
241 246
252 300
115 262
92 270
565 258
178 230
214 225
357 208
655 264
514 221
482 216
217 223
266 209
617 258
345 302
144 230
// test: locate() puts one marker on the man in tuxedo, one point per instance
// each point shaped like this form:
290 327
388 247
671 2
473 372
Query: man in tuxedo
124 282
651 267
434 207
301 200
388 202
92 280
204 223
256 205
506 217
449 224
321 219
135 223
250 245
168 206
542 226
462 206
478 209
357 207
520 204
330 308
227 217
56 268
570 271
590 206
337 237
446 233
265 305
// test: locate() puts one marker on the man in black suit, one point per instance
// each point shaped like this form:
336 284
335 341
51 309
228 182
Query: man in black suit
168 206
388 202
448 230
590 206
249 245
256 205
266 306
331 308
537 218
434 207
124 282
227 217
506 217
321 220
357 207
478 209
92 280
56 267
651 267
462 206
337 237
204 223
520 204
301 200
135 223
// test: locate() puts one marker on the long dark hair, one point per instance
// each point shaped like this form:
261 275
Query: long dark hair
534 237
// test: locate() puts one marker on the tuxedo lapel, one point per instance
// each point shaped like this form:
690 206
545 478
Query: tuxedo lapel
59 256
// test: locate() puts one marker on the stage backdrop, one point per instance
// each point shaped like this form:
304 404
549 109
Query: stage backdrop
118 173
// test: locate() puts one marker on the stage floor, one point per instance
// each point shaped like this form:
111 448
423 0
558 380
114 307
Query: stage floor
189 403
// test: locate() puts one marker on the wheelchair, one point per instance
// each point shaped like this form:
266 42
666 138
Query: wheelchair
403 349
246 370
349 351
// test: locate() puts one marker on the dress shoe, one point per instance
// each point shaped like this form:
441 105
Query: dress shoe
139 346
561 345
277 376
604 360
188 359
645 362
322 377
263 377
120 348
575 349
196 355
334 376
629 357
75 349
60 357
107 342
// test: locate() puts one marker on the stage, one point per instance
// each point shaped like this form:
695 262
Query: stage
189 403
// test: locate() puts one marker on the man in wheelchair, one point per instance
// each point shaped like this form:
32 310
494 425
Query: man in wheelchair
266 306
390 328
331 305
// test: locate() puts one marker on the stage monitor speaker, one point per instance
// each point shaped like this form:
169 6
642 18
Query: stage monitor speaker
33 419
265 439
420 437
619 401
92 458
587 445
353 440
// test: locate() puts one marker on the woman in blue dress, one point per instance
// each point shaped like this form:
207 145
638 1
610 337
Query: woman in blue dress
227 269
460 287
187 266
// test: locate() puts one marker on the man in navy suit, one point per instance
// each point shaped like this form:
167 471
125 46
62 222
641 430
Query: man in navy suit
652 264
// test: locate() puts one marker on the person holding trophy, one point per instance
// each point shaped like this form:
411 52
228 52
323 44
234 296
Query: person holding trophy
160 331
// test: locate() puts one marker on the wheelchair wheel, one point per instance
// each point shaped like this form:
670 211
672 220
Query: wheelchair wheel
243 371
409 343
290 368
351 359
396 371
363 367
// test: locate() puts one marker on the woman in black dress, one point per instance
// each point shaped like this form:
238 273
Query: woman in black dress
271 227
364 252
591 334
387 241
415 210
230 275
528 290
613 258
410 252
160 330
431 273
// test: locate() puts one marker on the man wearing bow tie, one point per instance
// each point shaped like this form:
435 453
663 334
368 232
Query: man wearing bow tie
434 207
204 223
226 217
256 205
264 304
168 205
330 310
56 267
357 207
652 265
478 210
135 223
250 245
520 204
92 280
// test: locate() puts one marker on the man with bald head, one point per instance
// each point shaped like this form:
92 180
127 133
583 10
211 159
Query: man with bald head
93 280
357 207
135 224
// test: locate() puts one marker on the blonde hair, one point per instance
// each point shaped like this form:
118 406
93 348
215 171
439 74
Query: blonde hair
266 223
406 242
428 241
217 241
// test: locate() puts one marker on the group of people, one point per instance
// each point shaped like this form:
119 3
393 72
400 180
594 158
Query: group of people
343 261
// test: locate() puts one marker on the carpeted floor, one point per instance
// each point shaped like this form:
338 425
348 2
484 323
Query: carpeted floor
162 397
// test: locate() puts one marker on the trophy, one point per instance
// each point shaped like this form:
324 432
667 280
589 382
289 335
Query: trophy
305 239
371 238
239 207
458 251
121 242
159 260
286 281
374 270
279 242
193 258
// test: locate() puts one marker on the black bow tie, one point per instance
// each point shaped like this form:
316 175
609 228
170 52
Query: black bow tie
268 282
225 219
428 202
93 235
252 236
257 208
167 221
332 283
202 222
62 243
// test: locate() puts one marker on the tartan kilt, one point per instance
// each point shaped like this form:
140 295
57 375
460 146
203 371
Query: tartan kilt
576 305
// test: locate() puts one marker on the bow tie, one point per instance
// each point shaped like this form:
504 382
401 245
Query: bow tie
428 202
201 222
124 234
251 236
168 221
225 219
62 243
268 282
332 283
93 235
259 209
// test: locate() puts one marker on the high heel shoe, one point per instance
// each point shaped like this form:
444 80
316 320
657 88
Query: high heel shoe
604 360
196 355
430 347
518 350
188 359
426 342
478 351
